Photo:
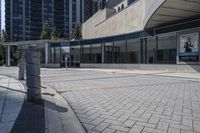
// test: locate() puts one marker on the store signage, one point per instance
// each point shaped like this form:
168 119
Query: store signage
189 47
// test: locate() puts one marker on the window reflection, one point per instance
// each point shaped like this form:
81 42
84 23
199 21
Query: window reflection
133 51
119 52
96 53
167 49
86 54
151 50
108 52
55 53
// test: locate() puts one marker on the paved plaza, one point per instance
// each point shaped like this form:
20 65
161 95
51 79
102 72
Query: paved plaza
111 101
11 101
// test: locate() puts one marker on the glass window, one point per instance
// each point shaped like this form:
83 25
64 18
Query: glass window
41 48
151 50
118 8
119 52
96 53
54 53
133 51
167 49
86 54
75 53
122 7
65 52
108 49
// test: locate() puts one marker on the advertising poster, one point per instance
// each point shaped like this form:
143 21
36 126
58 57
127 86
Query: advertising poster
189 47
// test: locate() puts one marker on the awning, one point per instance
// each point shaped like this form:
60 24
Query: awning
171 11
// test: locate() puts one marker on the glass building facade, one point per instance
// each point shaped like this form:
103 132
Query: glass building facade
144 47
138 48
25 18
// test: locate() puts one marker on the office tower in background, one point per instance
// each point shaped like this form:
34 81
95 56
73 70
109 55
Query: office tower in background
24 18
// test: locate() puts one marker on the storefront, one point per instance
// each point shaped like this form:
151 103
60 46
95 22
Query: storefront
177 47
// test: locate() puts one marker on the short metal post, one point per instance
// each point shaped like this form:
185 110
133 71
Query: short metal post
22 66
33 80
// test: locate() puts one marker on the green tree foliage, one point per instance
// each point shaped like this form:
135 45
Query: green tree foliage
77 34
3 38
54 34
45 34
2 53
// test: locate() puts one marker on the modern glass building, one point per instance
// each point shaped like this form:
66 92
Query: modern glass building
163 35
24 18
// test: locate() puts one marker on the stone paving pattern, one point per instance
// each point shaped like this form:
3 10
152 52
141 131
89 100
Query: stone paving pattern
109 102
11 100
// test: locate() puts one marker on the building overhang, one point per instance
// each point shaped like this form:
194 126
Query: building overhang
171 11
34 42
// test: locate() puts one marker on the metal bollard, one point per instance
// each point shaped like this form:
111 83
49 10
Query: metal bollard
33 80
22 66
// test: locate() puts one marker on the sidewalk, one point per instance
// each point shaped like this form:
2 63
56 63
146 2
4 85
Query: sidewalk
11 101
17 115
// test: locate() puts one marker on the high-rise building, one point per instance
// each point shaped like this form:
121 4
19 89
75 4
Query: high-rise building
92 6
0 18
24 18
102 4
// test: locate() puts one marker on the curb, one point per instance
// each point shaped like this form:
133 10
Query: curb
59 116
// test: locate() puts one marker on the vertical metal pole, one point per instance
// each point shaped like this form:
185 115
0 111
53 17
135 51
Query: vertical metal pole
145 51
156 52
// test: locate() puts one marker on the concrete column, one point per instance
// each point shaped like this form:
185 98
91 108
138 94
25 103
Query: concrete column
156 51
33 80
22 66
145 50
46 54
8 56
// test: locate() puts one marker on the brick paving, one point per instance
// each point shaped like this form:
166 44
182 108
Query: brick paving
119 102
112 102
11 101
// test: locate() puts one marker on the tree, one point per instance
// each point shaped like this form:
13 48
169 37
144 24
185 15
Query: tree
3 38
54 34
77 34
45 34
1 54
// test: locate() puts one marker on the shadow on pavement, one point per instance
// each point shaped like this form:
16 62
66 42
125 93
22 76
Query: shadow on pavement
31 118
55 107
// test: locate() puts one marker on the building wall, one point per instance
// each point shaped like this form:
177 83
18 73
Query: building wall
88 28
128 20
0 19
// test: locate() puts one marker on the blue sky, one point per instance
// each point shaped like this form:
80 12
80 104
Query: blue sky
2 14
